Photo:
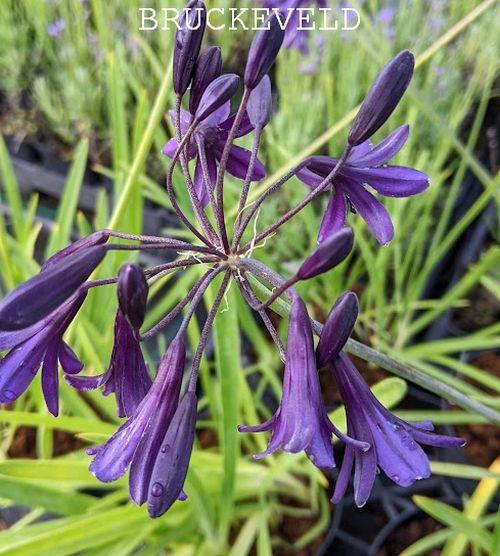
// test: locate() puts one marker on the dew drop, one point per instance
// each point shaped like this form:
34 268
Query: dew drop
395 478
165 448
157 489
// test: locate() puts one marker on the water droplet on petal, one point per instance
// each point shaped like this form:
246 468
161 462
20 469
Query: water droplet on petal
157 489
165 448
395 478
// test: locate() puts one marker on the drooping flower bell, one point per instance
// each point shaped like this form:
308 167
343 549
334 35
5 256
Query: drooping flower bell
39 343
301 421
394 443
365 165
137 443
127 375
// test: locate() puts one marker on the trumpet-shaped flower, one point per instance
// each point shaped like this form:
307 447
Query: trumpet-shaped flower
366 165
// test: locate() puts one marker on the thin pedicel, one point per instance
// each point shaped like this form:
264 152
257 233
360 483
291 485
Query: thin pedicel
156 440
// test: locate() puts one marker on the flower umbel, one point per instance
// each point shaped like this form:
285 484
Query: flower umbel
155 441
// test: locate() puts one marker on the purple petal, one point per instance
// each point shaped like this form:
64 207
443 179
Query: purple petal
391 181
335 215
68 359
217 93
171 465
383 152
237 164
360 152
344 476
372 211
309 177
19 367
15 337
244 128
199 184
170 147
50 378
86 383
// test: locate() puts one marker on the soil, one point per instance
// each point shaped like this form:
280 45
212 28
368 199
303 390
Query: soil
23 444
406 535
483 441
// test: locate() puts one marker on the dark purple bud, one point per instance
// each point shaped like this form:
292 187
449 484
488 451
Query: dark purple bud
337 329
95 238
132 294
187 43
383 97
260 103
328 254
171 465
45 292
263 50
208 67
217 94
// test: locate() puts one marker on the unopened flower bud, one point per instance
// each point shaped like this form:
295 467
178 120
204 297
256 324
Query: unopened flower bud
328 254
208 67
383 97
187 44
216 94
132 294
263 50
338 327
260 103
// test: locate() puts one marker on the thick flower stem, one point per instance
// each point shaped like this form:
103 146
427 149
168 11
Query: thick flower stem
219 186
205 224
307 199
205 333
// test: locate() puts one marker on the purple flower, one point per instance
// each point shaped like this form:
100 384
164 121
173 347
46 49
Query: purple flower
56 283
127 375
208 67
56 28
132 294
365 165
217 93
137 443
301 421
212 134
40 343
395 444
171 465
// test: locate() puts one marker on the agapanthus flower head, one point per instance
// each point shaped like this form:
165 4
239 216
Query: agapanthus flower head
265 46
40 343
260 104
188 43
383 97
171 465
136 444
395 444
208 67
301 421
366 165
39 296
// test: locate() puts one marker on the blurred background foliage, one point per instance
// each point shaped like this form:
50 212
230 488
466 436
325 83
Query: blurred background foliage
79 78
